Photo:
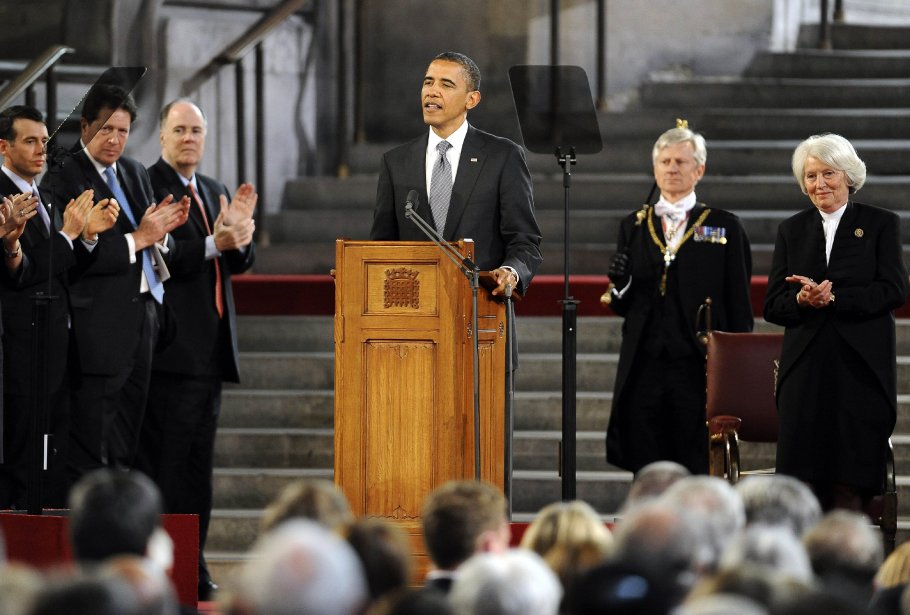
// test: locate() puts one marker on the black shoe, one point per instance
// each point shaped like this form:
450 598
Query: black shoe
207 589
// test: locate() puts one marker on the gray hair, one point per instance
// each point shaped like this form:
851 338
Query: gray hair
511 583
681 135
774 548
833 150
844 540
302 567
778 499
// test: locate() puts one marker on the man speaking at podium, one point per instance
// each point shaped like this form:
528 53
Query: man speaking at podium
478 184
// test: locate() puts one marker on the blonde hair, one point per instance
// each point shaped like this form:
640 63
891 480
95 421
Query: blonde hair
564 524
895 570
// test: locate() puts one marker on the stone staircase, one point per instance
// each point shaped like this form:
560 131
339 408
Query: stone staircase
277 426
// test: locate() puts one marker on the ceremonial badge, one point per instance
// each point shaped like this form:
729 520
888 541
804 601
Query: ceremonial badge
858 232
710 234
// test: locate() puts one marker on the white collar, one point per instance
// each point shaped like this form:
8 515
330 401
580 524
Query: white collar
456 139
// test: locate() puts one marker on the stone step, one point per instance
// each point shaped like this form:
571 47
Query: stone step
725 157
598 192
289 408
286 370
783 93
857 36
831 64
757 123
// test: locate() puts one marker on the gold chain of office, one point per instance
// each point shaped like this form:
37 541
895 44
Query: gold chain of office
668 252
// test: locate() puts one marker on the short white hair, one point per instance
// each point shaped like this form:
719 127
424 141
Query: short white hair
301 567
681 135
775 549
516 582
836 152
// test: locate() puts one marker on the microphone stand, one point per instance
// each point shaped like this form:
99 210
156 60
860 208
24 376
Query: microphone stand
510 398
470 271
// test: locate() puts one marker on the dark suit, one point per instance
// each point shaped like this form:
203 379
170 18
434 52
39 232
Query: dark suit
178 436
492 202
114 325
16 295
837 392
659 394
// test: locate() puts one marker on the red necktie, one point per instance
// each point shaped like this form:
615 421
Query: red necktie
219 301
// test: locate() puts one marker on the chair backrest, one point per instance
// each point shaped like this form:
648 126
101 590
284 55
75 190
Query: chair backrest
741 372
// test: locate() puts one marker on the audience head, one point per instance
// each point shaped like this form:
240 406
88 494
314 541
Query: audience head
302 567
675 136
19 588
762 586
778 499
150 584
620 588
113 513
412 602
772 548
716 505
89 595
461 518
516 582
896 568
570 537
844 541
665 541
385 553
314 499
652 480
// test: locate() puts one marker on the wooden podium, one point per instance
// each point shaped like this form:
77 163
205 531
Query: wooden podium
404 394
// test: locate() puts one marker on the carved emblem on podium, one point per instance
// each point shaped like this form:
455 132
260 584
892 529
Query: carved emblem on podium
401 288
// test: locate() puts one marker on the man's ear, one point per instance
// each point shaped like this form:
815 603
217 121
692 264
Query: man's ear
473 99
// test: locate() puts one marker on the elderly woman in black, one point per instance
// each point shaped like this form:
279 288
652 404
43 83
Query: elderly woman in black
836 276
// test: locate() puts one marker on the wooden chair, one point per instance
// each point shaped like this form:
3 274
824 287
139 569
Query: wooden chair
741 406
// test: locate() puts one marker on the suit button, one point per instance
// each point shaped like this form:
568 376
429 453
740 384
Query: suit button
135 299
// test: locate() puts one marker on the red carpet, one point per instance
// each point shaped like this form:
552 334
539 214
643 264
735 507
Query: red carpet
314 295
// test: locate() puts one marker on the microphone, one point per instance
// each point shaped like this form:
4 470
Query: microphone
412 201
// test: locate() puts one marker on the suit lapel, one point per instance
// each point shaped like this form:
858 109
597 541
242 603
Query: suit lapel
843 234
208 202
469 165
417 160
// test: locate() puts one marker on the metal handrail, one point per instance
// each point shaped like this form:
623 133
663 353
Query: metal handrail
35 70
233 54
238 49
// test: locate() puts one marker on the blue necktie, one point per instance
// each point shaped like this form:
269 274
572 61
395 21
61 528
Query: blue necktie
156 287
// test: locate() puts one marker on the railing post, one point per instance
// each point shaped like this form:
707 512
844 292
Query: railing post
30 96
839 11
260 231
50 85
239 88
824 28
554 32
602 54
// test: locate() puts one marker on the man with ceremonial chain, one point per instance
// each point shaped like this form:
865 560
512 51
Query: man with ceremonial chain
671 258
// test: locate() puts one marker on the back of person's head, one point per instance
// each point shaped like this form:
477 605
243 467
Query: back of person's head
107 97
652 480
773 548
87 596
722 604
565 523
385 553
665 540
896 568
516 582
150 584
844 545
715 503
763 586
620 588
314 499
302 567
112 513
778 499
19 587
412 602
462 517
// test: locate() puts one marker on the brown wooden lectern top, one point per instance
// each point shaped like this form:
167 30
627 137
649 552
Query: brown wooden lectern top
404 396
